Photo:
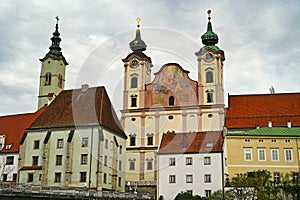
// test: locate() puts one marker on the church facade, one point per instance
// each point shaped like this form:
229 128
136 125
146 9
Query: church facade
171 103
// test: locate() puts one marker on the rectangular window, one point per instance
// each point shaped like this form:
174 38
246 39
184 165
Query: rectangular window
274 154
30 177
15 176
106 144
105 160
207 161
210 97
248 154
188 161
35 160
262 154
36 144
4 177
57 177
189 192
119 181
9 160
276 176
207 193
288 155
150 140
207 178
60 143
172 162
131 165
120 165
58 159
84 159
104 178
189 178
132 140
120 149
85 142
295 177
82 176
149 165
133 101
172 179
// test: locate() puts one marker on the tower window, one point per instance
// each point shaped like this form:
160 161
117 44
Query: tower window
171 101
134 81
209 77
60 81
210 96
133 101
149 139
132 140
48 79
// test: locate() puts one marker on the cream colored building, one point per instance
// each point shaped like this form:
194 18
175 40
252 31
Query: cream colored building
172 102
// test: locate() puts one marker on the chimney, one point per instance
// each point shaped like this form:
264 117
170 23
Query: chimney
289 124
84 87
269 124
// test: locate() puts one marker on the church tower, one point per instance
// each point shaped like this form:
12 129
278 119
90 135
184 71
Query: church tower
137 73
52 77
210 81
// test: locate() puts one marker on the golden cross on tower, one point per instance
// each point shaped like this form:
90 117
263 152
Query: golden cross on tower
208 12
138 21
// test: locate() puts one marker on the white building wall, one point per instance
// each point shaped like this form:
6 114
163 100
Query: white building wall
8 168
180 170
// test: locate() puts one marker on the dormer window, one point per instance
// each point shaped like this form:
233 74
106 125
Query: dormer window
48 79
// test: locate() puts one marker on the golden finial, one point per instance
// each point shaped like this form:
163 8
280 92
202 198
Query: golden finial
208 12
138 21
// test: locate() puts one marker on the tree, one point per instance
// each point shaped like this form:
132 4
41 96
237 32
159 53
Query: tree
187 196
219 196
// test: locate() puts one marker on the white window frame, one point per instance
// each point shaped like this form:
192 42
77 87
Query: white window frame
288 156
189 161
247 153
172 179
274 155
172 162
259 155
189 178
207 160
207 178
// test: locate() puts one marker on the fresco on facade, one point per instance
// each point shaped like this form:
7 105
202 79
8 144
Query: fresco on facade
171 78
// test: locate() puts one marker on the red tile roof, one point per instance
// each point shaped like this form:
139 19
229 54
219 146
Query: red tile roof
247 111
78 108
196 142
13 126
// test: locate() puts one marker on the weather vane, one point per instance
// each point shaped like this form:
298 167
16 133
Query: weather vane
138 21
208 12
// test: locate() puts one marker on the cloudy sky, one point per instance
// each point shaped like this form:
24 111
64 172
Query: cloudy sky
261 40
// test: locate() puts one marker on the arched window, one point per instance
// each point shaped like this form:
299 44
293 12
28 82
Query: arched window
171 101
60 81
134 81
48 79
209 77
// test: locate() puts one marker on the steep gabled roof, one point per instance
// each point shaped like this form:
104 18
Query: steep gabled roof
13 126
249 111
80 107
196 142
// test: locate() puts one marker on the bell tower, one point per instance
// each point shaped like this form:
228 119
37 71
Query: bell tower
52 76
210 80
137 73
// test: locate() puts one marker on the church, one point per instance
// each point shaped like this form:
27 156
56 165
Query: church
172 104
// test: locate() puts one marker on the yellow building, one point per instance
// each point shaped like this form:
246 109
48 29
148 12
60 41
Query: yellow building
275 149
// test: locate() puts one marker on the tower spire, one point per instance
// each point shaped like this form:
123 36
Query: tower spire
209 38
138 44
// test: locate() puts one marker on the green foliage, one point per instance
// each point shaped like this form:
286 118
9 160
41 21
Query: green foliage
187 196
258 185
